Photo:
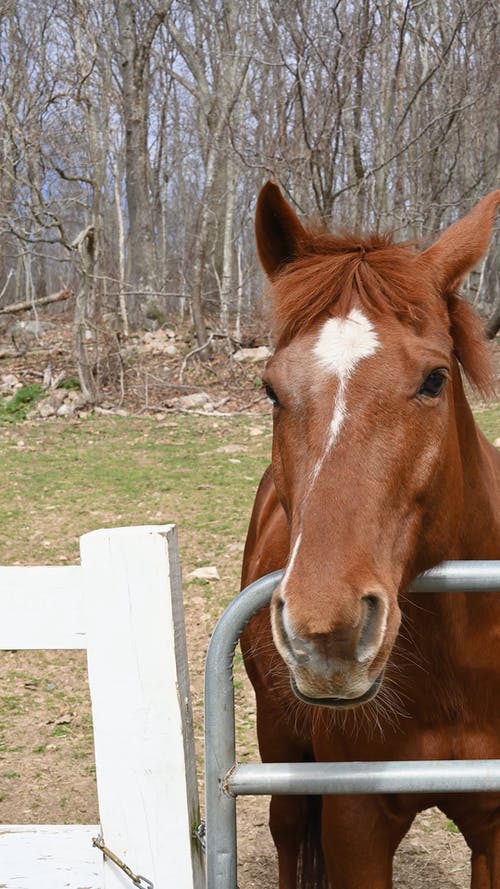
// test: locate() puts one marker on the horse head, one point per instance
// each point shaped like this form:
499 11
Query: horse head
367 452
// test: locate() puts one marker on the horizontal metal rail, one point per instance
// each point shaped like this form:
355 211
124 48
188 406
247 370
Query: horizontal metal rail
436 776
225 779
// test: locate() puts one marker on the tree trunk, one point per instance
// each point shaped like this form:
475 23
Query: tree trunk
81 328
228 247
135 61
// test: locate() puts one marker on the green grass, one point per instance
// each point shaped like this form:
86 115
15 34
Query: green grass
60 479
69 383
489 421
18 407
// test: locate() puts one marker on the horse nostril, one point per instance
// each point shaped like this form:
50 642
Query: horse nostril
300 653
371 601
372 626
297 646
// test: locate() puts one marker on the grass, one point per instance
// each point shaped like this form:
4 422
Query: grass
18 407
489 420
62 479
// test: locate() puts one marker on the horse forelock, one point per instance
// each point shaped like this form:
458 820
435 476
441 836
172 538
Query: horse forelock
337 273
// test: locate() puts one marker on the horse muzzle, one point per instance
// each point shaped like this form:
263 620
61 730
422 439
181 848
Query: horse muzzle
335 664
336 702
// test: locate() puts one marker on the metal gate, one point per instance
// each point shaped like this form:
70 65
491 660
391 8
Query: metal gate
225 779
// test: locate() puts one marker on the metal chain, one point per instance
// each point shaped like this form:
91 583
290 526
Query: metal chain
199 834
141 882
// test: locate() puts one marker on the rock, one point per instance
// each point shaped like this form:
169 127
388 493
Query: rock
236 547
110 412
68 409
61 403
51 405
252 356
197 399
208 573
46 409
159 343
76 398
8 383
57 396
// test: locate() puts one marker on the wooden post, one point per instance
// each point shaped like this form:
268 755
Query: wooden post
141 707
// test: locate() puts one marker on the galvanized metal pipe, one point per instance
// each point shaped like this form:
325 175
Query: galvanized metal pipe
460 577
224 779
444 776
220 755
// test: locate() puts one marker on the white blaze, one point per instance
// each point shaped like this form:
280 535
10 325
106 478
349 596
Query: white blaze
291 562
341 345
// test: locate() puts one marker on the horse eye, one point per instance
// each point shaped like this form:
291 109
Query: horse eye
433 384
271 394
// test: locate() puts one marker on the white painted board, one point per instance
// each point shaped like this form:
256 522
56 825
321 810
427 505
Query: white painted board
138 677
49 856
41 607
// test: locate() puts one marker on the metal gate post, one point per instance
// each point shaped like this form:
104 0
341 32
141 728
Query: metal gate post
220 748
224 779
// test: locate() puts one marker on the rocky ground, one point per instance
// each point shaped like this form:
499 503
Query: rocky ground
154 371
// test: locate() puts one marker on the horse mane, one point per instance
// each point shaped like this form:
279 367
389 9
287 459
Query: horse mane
384 277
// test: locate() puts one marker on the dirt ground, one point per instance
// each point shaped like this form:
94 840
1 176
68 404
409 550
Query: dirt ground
47 746
46 753
430 857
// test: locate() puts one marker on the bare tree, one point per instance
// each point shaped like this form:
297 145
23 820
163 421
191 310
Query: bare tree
227 32
137 27
156 121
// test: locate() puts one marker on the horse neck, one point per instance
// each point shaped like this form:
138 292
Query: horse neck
450 630
480 529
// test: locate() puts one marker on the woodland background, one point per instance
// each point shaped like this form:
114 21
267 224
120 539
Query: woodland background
134 137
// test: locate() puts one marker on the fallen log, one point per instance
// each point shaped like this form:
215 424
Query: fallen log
30 304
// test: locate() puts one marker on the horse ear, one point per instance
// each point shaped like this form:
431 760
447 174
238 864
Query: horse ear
280 236
463 244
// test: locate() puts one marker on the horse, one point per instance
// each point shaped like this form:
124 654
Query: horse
379 472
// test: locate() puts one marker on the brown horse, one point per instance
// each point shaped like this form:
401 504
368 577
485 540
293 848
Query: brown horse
379 472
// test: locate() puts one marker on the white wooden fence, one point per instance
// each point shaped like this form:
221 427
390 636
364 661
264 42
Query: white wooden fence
123 604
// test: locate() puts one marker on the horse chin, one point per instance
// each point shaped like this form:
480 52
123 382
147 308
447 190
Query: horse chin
340 703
